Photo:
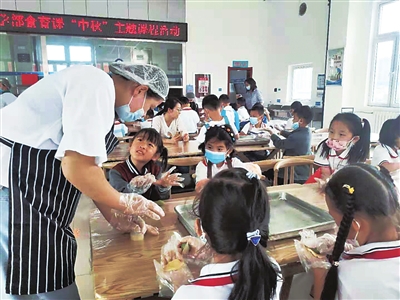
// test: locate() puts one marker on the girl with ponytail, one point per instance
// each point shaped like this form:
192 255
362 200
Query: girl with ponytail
348 143
233 221
363 201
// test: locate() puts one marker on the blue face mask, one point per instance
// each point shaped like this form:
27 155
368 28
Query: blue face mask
248 87
253 120
295 125
215 157
1 91
125 114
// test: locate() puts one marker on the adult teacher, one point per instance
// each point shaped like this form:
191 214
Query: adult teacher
52 155
253 96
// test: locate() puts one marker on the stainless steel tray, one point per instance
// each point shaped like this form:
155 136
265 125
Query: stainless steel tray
289 215
249 140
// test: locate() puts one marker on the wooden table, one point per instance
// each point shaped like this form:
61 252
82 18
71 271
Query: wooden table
181 149
124 269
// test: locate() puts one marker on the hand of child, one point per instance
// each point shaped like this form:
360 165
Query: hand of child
253 168
141 184
200 185
167 179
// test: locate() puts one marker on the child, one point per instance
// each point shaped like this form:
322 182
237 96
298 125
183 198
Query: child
363 202
242 111
188 116
212 111
168 123
297 142
348 143
293 107
146 148
233 219
256 123
218 155
228 111
386 153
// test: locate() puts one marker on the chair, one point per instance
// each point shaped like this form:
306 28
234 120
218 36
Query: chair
267 164
290 163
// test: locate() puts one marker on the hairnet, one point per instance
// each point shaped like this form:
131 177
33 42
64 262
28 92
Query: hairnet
5 82
148 75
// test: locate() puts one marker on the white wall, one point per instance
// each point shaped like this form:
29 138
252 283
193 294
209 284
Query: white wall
337 39
269 34
292 40
352 23
159 10
220 32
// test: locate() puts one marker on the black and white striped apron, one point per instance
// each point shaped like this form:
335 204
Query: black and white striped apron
42 247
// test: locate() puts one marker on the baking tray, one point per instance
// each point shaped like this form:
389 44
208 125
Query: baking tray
289 215
248 140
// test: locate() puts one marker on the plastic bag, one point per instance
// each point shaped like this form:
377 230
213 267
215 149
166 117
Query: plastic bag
172 275
312 250
141 184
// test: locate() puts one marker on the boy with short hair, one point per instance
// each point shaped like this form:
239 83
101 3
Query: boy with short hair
189 117
256 126
297 142
212 112
256 123
228 111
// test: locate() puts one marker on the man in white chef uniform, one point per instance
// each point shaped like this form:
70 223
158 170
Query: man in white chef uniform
49 157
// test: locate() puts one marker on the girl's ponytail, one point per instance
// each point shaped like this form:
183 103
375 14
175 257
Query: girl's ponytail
331 280
364 142
257 276
164 158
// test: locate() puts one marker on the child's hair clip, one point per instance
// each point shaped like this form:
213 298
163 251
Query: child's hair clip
254 237
350 189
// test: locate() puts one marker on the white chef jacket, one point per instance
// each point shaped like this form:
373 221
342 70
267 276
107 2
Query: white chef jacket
69 110
166 131
370 277
384 153
201 168
220 292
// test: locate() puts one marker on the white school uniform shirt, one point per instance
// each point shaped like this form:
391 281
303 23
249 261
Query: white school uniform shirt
166 131
220 271
243 114
334 161
248 127
6 99
364 273
190 118
69 110
202 134
201 168
384 153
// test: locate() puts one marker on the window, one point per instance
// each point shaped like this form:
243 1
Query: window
80 53
301 83
385 65
55 52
